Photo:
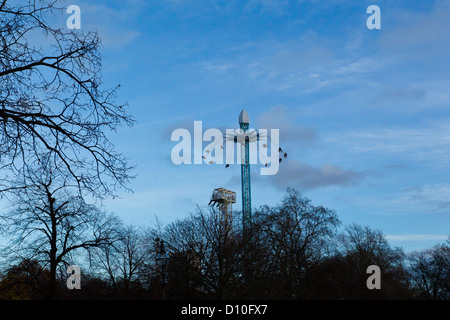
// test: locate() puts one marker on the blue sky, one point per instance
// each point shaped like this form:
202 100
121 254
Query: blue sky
364 114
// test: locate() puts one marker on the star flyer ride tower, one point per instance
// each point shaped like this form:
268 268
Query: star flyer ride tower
244 123
244 136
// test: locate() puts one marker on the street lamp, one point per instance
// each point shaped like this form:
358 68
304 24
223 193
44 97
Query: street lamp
162 260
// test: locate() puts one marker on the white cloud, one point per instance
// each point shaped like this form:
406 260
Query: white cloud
396 95
217 67
110 23
356 66
417 237
282 118
295 173
434 198
429 143
419 34
426 199
278 7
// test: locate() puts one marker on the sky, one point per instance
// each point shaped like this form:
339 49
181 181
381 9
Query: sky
363 113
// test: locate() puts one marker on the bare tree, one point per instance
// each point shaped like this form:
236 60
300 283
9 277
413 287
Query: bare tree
213 259
357 248
52 101
368 246
430 271
296 233
50 224
123 260
208 254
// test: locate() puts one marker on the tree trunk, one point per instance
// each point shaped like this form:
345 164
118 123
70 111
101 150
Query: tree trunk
53 248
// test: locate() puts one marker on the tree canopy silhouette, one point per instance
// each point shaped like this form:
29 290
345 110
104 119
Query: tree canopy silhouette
52 101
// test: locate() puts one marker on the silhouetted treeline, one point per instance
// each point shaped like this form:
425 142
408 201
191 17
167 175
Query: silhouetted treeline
295 250
56 157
